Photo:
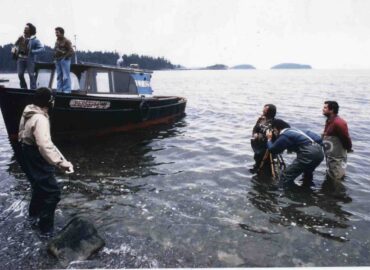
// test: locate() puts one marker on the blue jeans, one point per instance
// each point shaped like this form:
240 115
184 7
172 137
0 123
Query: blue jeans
63 67
22 65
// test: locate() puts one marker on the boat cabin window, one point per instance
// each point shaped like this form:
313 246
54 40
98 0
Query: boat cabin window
43 78
110 81
98 81
102 82
123 83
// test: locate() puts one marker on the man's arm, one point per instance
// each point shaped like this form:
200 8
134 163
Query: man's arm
314 136
46 147
341 129
18 41
69 47
38 47
279 145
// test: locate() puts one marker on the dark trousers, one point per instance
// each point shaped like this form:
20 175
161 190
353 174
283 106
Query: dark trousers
308 158
259 149
45 189
22 65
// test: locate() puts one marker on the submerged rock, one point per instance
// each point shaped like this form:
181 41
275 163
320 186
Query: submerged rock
77 241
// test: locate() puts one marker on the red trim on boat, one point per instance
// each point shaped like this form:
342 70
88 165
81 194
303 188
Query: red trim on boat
127 127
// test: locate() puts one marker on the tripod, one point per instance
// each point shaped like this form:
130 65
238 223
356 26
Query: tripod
277 164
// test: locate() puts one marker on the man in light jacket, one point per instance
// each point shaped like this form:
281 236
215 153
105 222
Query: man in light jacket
25 50
39 159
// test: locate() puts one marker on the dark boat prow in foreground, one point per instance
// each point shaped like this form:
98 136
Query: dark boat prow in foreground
104 99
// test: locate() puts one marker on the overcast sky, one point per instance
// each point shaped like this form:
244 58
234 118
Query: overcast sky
322 33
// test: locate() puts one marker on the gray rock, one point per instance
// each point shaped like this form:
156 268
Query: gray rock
77 241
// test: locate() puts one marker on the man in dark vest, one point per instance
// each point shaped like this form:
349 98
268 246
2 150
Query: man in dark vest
39 159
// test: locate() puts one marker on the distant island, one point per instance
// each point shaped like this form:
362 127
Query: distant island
245 66
291 66
217 67
225 67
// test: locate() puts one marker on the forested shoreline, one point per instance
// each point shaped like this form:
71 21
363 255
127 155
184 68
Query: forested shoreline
7 64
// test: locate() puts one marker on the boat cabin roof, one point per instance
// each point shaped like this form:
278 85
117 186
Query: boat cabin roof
98 79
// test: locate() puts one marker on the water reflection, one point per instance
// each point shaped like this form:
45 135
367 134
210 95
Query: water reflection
312 210
114 156
111 166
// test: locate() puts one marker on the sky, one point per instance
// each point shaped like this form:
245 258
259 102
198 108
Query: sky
326 34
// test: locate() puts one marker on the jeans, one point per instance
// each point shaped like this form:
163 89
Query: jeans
22 65
308 158
45 189
63 67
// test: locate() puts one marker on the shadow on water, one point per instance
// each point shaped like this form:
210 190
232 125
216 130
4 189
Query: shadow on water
313 210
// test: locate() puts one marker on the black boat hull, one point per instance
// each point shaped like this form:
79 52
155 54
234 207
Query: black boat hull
77 115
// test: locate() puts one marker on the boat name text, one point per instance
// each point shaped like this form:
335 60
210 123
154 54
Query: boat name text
89 104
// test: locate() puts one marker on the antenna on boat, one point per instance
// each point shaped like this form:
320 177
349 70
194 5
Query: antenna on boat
75 46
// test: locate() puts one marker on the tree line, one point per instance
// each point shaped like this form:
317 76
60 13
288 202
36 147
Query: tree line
7 64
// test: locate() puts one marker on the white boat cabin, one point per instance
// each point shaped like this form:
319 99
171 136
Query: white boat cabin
98 79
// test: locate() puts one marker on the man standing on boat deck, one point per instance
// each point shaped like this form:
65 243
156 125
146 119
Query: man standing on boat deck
307 145
258 141
39 157
63 52
336 140
25 50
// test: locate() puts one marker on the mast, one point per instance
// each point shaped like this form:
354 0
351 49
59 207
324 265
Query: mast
75 47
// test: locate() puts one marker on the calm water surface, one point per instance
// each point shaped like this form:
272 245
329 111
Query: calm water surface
182 196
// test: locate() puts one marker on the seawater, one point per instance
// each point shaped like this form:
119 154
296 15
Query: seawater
181 195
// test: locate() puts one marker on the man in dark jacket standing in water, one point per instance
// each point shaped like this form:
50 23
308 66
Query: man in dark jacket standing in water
258 141
307 145
336 140
39 157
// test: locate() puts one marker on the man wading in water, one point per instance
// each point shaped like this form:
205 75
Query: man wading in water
307 145
259 141
337 144
39 156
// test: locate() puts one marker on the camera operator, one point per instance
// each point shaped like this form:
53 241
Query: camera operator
259 140
307 145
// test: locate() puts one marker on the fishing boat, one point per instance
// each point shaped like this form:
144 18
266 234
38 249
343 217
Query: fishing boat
104 99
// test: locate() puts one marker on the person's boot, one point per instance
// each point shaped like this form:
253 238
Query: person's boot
33 221
307 180
253 170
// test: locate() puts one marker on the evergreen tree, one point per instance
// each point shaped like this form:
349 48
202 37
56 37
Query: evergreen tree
7 64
